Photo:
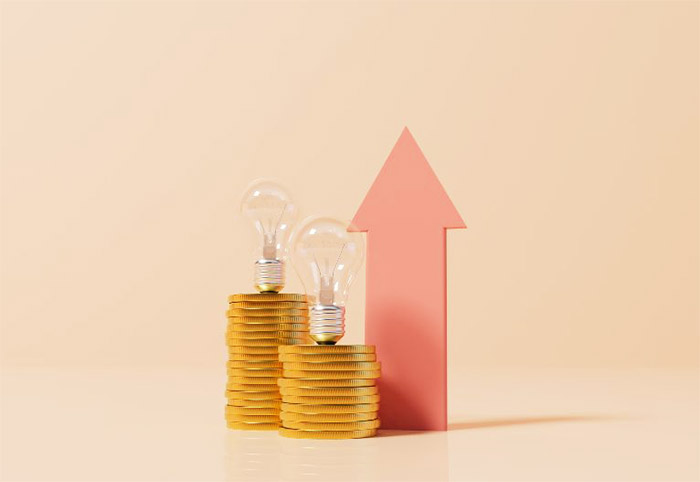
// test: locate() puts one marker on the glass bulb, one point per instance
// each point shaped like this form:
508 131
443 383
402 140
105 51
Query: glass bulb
269 206
327 257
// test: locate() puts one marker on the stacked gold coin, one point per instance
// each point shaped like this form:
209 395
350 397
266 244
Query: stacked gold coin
258 324
329 391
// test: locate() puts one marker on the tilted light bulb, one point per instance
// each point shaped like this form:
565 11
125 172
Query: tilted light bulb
272 211
327 257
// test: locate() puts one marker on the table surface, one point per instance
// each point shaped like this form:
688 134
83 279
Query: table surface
133 424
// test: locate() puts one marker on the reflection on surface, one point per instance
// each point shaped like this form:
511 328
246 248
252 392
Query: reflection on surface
252 455
327 459
393 455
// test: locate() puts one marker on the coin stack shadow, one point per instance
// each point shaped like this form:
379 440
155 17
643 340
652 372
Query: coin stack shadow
329 391
257 324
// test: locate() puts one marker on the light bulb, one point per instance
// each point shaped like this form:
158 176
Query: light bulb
272 211
327 257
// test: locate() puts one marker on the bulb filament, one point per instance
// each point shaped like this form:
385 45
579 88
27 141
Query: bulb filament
270 237
326 294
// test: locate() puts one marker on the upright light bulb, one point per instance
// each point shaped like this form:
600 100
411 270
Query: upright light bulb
270 208
327 257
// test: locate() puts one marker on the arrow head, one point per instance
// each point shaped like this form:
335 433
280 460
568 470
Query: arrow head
407 193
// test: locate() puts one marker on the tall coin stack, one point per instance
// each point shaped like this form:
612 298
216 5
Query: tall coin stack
329 391
257 325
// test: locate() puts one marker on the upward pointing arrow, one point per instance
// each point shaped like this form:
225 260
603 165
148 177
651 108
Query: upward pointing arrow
406 214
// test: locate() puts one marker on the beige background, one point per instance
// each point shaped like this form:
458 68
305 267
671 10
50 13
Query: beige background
566 134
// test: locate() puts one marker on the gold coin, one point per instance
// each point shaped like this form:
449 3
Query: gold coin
252 418
253 350
331 400
271 336
328 366
251 410
254 380
252 426
322 357
266 305
250 387
250 384
255 402
257 297
240 341
245 344
273 403
332 426
256 342
330 383
240 395
263 342
285 432
266 312
253 365
244 341
253 372
329 392
267 335
329 349
233 327
298 408
269 357
333 374
267 320
327 417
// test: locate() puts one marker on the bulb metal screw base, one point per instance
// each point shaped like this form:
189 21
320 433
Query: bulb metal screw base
326 324
269 275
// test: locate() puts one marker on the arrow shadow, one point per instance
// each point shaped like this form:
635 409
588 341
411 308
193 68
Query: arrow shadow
505 422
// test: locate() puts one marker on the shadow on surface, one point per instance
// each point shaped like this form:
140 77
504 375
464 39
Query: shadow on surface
504 422
393 433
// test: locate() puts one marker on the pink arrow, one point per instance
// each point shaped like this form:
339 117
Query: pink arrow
406 214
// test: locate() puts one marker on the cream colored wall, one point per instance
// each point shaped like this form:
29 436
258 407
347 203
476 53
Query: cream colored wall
565 133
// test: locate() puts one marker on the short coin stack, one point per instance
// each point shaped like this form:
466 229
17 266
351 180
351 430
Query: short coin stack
258 324
329 391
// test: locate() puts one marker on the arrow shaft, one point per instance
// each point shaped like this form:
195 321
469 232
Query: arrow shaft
406 320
